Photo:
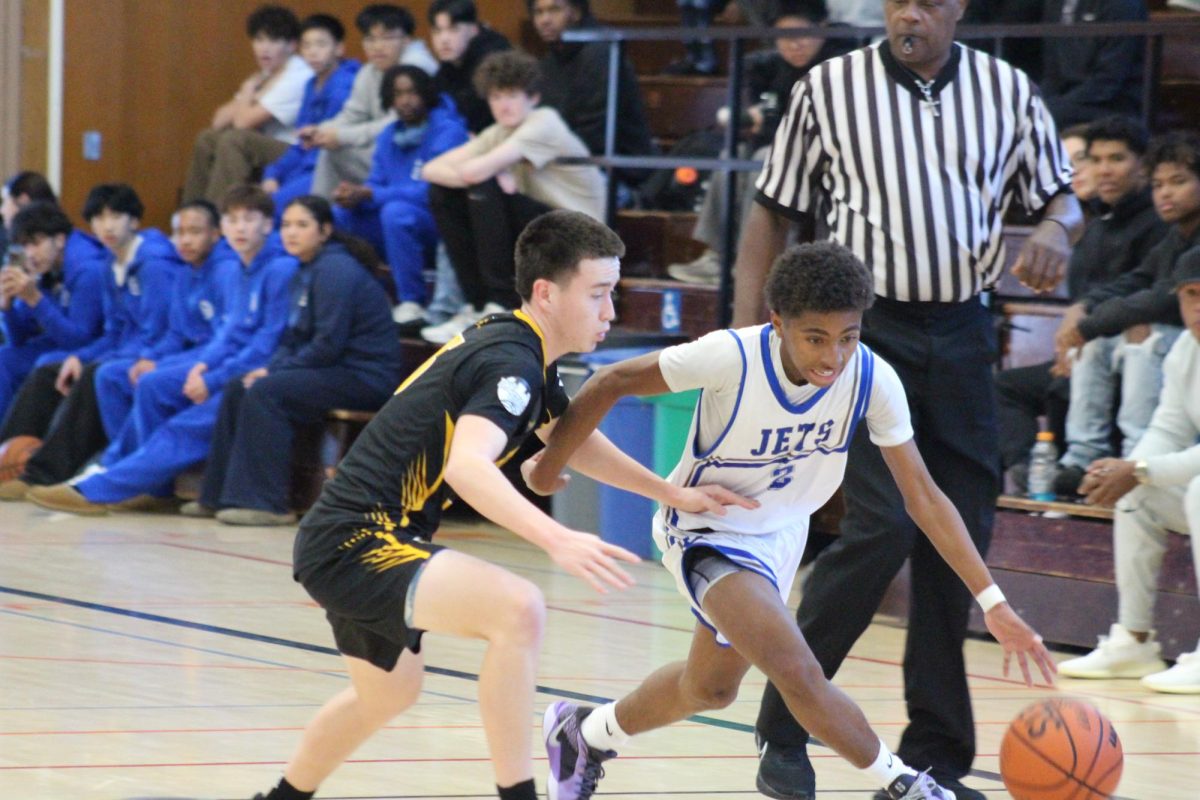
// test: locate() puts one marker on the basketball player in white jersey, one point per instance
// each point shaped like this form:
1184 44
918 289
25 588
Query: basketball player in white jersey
778 406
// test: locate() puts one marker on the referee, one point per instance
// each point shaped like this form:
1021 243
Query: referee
910 152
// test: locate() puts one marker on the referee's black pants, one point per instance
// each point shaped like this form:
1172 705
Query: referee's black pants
943 353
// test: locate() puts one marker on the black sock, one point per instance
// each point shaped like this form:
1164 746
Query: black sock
521 791
285 791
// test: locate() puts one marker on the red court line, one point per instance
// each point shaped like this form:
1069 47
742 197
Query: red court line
618 619
226 553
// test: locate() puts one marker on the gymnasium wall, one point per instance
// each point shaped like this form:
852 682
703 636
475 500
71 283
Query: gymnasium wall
147 74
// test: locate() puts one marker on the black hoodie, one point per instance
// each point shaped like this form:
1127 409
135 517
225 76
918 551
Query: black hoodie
456 80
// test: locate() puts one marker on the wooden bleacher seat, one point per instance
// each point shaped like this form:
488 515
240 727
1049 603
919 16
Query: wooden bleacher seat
678 105
654 239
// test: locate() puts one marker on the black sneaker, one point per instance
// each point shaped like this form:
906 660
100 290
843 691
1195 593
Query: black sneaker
785 773
915 787
1066 482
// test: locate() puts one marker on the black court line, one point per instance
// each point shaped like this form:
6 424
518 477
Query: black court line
330 651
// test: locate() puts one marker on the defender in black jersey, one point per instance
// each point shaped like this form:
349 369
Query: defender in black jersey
364 551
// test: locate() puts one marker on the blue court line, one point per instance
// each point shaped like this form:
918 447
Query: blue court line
314 648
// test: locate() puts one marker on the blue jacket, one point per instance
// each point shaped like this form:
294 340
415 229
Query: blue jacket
319 104
257 313
396 168
136 313
71 311
339 316
198 307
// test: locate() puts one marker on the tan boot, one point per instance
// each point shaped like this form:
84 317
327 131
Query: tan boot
64 497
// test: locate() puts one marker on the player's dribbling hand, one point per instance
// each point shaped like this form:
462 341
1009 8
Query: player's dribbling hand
588 557
527 467
710 499
1019 639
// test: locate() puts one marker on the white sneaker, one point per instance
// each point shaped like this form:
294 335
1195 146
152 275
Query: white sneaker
408 312
705 270
493 308
1118 655
1183 678
440 334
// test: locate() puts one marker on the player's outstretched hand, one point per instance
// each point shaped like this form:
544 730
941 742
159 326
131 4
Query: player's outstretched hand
710 499
527 473
586 556
1019 639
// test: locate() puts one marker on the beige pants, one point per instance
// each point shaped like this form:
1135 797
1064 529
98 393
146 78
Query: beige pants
226 157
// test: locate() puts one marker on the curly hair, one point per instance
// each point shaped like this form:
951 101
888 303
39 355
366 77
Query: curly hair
510 69
820 277
1176 147
554 244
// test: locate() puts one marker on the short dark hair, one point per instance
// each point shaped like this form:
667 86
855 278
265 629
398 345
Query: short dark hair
39 219
820 277
457 10
1176 147
390 16
1077 131
204 207
811 10
31 184
1116 128
508 69
553 244
421 80
250 197
118 197
585 11
274 22
324 22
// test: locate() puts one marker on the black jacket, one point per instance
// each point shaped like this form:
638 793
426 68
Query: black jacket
1088 78
769 80
456 80
1144 295
1114 242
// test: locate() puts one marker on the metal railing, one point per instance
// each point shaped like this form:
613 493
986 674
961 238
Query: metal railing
1152 32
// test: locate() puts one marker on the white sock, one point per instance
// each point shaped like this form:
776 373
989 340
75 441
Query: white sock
887 767
601 731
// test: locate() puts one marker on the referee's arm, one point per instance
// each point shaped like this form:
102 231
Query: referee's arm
764 235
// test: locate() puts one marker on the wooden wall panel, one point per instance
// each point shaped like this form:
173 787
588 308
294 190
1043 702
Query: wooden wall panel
147 74
35 25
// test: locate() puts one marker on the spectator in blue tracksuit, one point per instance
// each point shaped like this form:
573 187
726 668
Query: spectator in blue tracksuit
340 350
54 299
180 419
17 192
198 309
391 210
321 47
139 282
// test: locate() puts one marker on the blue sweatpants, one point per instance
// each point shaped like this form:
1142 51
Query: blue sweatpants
131 414
406 235
181 442
289 190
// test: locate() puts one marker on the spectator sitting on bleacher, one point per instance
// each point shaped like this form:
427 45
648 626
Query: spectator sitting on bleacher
701 58
256 126
1020 52
1086 78
347 141
339 350
485 192
175 407
1135 313
1083 184
322 48
58 399
155 372
577 87
391 210
1158 489
1116 240
770 75
52 299
19 191
461 42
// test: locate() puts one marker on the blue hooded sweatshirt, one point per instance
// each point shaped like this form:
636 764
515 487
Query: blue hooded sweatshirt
401 152
71 311
199 306
319 104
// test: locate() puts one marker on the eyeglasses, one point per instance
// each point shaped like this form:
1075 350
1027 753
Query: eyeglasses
382 38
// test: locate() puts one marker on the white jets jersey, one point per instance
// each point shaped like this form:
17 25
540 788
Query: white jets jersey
757 434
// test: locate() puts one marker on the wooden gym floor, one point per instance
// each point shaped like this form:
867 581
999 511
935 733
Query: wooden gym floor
154 656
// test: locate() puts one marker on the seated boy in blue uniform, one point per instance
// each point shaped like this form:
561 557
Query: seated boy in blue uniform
139 282
53 298
179 424
321 46
391 210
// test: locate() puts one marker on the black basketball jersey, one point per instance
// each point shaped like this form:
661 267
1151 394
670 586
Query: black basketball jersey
393 475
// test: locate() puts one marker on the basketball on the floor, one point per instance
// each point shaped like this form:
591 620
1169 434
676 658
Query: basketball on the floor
1061 749
14 454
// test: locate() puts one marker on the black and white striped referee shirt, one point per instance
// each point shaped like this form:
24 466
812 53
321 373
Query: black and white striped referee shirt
914 178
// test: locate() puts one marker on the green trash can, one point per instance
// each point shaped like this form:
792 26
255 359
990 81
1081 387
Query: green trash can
672 421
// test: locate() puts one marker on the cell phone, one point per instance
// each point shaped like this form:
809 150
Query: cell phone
15 257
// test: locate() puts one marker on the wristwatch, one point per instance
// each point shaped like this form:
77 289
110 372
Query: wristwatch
1141 471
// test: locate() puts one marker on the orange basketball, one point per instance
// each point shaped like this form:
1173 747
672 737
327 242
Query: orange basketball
1061 749
13 455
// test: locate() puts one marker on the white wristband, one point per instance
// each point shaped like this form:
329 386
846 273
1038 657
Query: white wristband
989 598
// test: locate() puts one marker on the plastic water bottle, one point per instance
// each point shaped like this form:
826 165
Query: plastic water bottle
1043 467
